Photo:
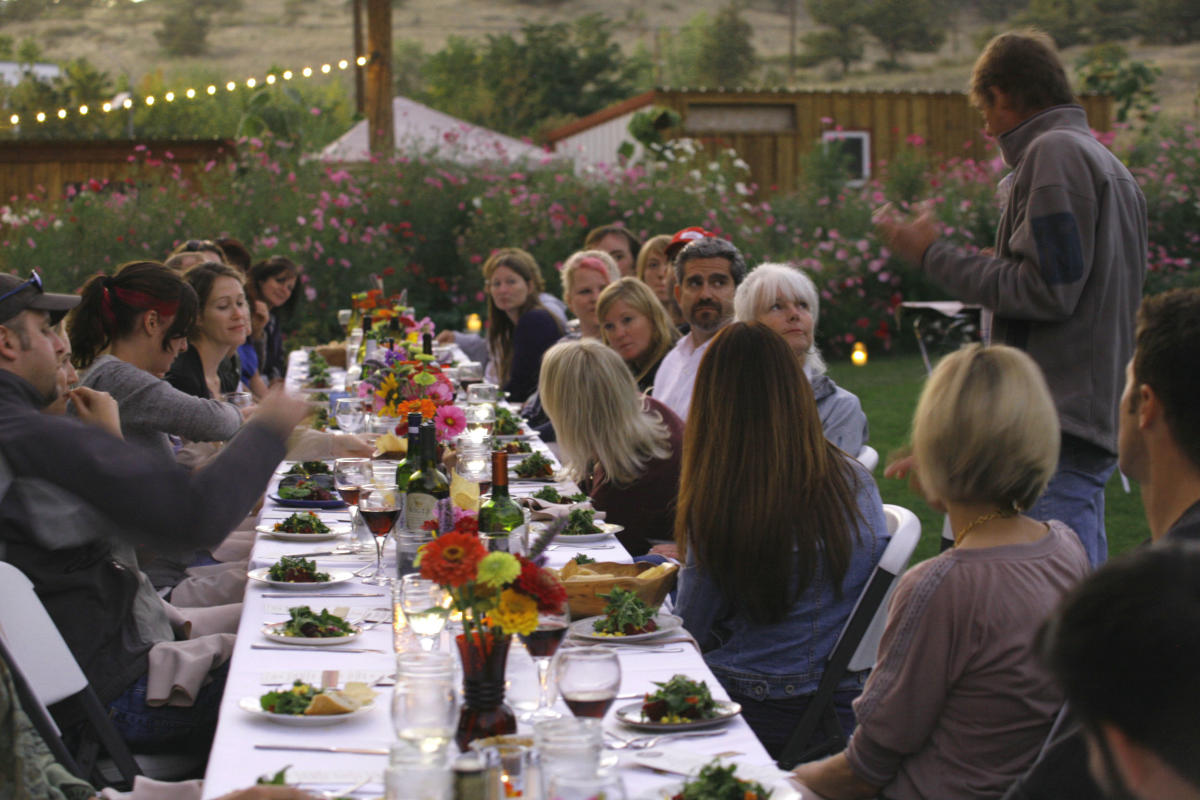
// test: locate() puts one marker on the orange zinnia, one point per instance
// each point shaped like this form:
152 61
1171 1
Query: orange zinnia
452 559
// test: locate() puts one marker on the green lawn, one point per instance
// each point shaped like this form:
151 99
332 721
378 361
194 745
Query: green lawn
888 388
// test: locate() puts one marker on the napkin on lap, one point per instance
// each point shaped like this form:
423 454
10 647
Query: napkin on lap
179 669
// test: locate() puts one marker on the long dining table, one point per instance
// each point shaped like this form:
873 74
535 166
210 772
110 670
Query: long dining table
250 745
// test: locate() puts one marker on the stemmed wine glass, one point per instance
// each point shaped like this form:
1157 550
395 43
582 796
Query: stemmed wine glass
349 476
542 644
348 411
588 679
426 606
379 505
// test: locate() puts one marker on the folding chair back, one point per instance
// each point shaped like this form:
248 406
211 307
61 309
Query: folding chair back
856 647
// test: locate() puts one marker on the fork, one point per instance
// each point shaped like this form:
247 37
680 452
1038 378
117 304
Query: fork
646 742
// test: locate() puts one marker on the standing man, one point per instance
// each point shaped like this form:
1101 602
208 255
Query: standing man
707 274
618 242
1066 276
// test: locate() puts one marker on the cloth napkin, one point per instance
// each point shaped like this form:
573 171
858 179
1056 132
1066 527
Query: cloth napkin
149 789
179 669
543 510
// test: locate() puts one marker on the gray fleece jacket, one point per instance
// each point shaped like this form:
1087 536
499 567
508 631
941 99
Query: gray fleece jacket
1070 258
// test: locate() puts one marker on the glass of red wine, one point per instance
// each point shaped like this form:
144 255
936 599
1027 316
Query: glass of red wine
349 476
542 644
588 679
379 506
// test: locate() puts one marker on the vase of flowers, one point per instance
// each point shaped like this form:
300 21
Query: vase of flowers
498 594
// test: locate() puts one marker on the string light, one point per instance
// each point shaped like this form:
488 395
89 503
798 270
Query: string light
191 93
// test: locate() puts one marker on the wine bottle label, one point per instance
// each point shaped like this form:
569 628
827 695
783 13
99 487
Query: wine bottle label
419 509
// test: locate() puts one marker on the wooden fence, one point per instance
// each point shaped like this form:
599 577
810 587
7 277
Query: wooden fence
772 131
47 168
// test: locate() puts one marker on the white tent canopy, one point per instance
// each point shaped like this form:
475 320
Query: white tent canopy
421 128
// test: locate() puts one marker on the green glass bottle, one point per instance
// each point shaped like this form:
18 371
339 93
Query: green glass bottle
427 485
412 459
500 515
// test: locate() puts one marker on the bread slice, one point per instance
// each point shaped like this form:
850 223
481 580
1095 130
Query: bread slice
331 701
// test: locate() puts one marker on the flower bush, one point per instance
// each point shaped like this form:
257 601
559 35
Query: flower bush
422 223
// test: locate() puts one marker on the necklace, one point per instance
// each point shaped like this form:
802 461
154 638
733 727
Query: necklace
1004 512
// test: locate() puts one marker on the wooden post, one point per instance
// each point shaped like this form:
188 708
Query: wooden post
360 102
380 130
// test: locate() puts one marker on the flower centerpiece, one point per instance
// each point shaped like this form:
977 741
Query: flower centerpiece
403 382
498 594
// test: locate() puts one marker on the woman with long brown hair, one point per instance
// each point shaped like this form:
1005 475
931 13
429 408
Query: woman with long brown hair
779 528
520 329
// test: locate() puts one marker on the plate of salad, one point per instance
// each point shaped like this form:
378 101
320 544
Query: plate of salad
309 628
582 527
679 704
534 467
304 468
509 426
626 618
551 495
298 573
307 491
716 781
303 526
305 705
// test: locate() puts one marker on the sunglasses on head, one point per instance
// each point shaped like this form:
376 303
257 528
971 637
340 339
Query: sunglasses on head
35 280
196 245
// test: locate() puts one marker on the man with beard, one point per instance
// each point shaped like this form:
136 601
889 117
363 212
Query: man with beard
707 274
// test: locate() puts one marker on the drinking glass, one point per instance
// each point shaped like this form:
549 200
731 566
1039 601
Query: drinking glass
569 745
481 420
349 476
542 644
426 605
483 393
588 679
239 399
379 505
348 411
425 711
474 462
469 374
562 786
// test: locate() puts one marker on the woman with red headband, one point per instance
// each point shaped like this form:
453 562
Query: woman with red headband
584 275
139 318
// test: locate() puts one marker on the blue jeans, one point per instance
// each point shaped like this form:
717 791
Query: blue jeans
169 729
1075 495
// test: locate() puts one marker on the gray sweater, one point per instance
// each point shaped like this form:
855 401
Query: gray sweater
151 408
1066 279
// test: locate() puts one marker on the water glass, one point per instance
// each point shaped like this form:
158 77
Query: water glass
570 745
348 411
425 712
483 393
426 606
239 399
606 785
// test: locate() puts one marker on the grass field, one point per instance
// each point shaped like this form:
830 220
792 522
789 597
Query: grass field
888 388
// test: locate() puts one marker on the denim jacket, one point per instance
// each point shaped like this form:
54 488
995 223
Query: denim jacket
784 659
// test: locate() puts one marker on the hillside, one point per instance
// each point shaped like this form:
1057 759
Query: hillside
120 39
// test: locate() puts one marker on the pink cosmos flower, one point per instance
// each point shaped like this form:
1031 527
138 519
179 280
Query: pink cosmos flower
450 422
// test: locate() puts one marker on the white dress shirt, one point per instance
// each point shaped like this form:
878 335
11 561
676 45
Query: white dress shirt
677 374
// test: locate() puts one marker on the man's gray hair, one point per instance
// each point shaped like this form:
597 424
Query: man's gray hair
711 248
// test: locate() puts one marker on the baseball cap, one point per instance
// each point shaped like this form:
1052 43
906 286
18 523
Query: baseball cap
685 237
17 295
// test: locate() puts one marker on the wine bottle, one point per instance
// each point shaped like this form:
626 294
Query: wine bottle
412 459
500 515
427 485
369 344
427 343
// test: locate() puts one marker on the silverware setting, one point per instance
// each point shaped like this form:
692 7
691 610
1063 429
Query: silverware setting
646 742
300 648
363 751
322 594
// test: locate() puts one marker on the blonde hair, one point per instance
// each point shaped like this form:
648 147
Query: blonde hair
586 259
985 429
654 246
639 297
598 413
767 282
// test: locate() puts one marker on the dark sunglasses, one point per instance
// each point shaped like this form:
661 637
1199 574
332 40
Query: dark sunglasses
35 280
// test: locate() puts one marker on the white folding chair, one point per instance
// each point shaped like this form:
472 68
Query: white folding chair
36 652
857 646
869 457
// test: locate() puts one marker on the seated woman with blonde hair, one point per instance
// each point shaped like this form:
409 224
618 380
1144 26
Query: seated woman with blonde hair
622 448
958 704
635 324
584 275
785 300
654 270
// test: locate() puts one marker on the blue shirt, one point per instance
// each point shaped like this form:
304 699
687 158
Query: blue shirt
784 659
249 358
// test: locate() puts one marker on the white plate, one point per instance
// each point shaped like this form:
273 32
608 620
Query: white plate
252 706
584 630
607 529
271 631
283 468
335 531
523 436
631 715
335 576
782 790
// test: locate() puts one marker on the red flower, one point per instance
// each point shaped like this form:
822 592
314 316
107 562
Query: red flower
452 559
542 586
468 525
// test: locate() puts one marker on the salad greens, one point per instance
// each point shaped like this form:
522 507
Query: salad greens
306 487
302 522
296 570
579 523
536 465
309 468
507 423
306 623
551 495
289 701
679 700
625 615
583 558
718 783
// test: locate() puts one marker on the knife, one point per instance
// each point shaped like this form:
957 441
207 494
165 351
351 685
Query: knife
325 649
322 594
365 751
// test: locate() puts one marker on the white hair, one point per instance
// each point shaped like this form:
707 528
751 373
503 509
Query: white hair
764 285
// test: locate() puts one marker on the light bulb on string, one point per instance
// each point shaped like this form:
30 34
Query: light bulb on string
230 86
271 78
251 83
343 64
190 94
83 110
150 100
287 74
15 119
107 107
169 97
41 116
361 61
127 103
62 113
211 89
306 72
